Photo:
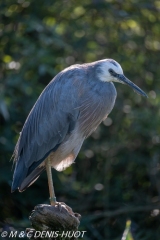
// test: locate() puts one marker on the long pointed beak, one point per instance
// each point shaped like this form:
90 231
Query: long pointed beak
136 89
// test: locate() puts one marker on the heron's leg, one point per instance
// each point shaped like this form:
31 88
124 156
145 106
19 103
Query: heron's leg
50 181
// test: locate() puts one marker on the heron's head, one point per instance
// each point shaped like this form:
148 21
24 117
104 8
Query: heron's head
111 71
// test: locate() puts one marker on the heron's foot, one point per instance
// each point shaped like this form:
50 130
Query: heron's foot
61 205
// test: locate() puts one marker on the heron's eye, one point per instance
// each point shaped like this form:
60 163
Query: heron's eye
112 72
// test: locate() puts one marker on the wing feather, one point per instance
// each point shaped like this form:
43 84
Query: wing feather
53 117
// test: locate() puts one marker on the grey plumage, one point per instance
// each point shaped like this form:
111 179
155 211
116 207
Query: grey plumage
69 109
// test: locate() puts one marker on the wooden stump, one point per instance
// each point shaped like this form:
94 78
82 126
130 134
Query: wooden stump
53 222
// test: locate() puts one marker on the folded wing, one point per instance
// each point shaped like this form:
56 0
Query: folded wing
52 118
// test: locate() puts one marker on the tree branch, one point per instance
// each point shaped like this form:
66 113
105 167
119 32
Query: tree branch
124 211
53 220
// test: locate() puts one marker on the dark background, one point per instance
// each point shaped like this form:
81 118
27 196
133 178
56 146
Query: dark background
116 176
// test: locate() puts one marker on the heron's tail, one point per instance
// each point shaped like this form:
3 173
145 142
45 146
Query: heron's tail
31 178
23 177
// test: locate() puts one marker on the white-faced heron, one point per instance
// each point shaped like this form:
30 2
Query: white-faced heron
69 109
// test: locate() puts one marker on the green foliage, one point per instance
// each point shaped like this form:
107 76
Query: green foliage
127 235
118 166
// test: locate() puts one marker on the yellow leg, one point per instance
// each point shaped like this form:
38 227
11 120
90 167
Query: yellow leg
50 182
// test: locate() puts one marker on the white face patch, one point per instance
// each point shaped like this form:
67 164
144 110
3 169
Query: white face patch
107 64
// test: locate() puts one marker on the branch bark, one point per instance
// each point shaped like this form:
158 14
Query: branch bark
53 222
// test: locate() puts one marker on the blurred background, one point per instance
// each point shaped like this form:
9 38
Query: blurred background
115 182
